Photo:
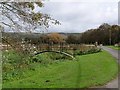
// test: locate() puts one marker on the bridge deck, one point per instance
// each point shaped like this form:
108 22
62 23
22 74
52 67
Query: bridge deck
64 53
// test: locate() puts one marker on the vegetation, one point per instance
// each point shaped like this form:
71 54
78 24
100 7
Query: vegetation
115 47
106 34
73 39
89 51
85 71
24 12
53 70
88 69
14 60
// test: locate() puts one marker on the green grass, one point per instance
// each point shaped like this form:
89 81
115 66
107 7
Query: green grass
114 47
85 71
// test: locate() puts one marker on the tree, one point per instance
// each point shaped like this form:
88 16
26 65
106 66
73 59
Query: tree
55 38
105 34
104 26
21 16
72 39
1 29
115 30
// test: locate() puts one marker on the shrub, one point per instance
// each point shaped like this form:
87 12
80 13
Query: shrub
90 51
12 63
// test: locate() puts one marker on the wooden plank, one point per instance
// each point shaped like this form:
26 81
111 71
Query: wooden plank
64 53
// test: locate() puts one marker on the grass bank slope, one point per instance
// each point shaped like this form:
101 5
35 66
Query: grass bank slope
85 71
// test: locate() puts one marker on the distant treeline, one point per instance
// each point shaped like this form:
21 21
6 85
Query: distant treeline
105 34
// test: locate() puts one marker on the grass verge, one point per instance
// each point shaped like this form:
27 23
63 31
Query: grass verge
114 47
85 71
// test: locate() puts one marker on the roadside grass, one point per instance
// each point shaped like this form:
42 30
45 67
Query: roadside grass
86 71
115 47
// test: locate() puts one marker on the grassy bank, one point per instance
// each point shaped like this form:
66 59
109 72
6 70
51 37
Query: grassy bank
114 47
85 71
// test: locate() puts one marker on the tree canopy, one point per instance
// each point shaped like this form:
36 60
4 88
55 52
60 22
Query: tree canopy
105 34
55 38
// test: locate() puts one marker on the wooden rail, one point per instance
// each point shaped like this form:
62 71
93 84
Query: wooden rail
64 53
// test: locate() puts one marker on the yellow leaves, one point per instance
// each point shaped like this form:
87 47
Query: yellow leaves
36 16
40 4
55 37
31 5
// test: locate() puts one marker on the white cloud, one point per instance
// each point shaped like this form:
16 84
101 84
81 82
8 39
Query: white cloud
80 16
83 0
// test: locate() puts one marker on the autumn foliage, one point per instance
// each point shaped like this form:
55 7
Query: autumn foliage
55 38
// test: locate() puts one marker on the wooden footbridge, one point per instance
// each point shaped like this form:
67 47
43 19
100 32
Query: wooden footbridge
64 53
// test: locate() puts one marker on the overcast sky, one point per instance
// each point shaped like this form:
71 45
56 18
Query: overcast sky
80 15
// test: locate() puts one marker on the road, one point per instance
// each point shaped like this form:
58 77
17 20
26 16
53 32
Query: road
114 53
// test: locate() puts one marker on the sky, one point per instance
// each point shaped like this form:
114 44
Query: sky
77 16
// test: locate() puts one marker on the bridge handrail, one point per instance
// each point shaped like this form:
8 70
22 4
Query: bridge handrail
67 54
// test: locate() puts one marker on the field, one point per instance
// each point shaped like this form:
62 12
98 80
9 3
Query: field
83 72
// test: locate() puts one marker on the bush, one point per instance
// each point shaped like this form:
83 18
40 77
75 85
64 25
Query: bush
90 51
48 58
13 63
42 58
